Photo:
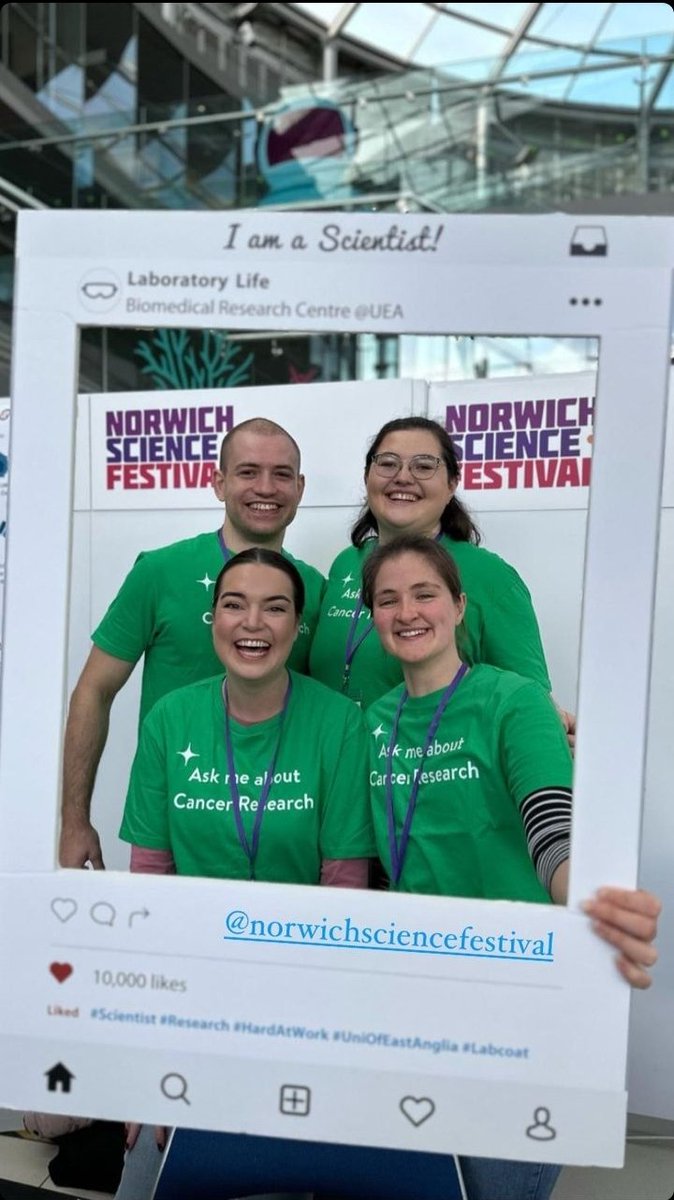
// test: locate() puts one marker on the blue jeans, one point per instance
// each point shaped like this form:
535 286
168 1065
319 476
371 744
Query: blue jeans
484 1178
504 1179
141 1169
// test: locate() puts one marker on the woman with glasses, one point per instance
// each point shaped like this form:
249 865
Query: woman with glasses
485 811
411 477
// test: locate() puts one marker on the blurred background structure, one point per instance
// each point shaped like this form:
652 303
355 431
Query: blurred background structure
422 107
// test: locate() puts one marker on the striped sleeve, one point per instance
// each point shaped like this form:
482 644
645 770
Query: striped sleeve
546 815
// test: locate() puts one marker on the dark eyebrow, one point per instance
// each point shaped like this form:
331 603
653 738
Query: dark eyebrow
243 596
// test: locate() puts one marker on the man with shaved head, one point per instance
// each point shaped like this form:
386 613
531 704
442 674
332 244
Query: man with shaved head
163 612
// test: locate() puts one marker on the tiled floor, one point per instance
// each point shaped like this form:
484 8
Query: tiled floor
648 1173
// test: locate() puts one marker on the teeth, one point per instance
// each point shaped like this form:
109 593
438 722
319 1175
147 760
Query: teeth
251 644
411 633
402 496
264 507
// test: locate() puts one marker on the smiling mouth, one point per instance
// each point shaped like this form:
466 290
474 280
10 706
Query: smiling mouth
410 634
252 647
263 507
406 497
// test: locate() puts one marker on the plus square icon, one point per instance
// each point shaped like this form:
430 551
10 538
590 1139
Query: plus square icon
295 1100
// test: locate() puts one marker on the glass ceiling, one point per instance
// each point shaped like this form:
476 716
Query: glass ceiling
620 55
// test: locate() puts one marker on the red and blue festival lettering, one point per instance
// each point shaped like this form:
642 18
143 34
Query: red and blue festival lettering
512 444
164 448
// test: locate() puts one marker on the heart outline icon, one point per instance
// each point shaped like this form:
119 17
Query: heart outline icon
417 1109
64 908
60 971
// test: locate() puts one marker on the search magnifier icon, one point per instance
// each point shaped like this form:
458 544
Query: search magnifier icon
174 1087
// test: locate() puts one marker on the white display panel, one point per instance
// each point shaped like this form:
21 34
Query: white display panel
155 450
459 274
524 443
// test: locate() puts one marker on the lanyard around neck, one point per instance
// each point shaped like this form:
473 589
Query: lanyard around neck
250 847
226 552
352 642
398 849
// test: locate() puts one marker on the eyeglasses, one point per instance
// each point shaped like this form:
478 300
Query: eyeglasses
421 466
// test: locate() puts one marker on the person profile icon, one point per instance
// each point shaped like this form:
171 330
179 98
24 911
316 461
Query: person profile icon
541 1130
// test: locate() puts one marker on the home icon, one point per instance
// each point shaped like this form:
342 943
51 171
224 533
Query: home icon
59 1078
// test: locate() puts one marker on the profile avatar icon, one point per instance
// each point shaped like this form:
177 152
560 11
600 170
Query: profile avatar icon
99 290
541 1130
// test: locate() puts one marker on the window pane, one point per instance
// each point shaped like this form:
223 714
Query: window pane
395 28
452 41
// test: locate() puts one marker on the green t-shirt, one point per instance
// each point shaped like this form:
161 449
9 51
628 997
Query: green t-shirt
500 624
164 611
318 804
499 739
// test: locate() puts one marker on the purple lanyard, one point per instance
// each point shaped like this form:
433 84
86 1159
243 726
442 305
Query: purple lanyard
250 848
398 850
226 552
353 643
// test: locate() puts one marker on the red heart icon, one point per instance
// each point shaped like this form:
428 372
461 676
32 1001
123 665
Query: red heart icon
60 971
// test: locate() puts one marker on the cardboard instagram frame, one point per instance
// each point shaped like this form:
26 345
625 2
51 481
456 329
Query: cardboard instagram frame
375 273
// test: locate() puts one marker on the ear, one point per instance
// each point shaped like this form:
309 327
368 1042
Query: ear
461 608
300 487
218 484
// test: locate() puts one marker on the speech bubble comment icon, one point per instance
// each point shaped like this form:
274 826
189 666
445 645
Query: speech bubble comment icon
64 908
103 913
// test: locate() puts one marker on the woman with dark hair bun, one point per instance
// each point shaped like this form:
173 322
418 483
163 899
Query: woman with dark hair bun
294 748
256 774
411 476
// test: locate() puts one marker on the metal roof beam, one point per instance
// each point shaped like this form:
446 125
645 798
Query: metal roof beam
659 81
512 45
345 12
586 50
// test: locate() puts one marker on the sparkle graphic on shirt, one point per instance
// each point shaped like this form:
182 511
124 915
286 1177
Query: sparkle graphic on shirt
207 581
347 579
187 754
378 731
